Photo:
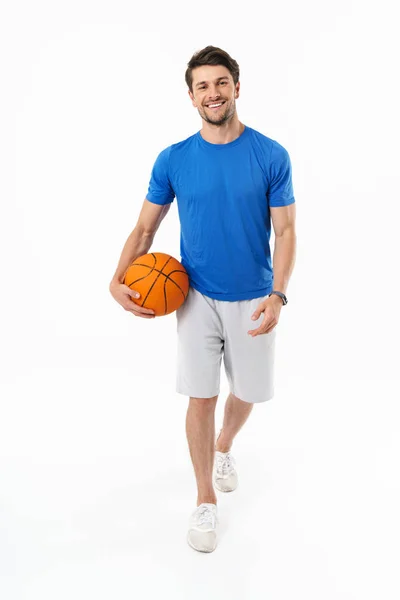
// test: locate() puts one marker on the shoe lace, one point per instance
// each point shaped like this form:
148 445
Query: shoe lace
225 464
204 514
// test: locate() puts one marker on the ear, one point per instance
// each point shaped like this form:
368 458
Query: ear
192 98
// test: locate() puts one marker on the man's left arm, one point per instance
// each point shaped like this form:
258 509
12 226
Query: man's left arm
283 220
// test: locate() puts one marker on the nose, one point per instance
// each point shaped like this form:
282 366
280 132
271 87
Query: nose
213 96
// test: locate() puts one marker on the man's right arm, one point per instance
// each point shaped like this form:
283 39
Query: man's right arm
140 240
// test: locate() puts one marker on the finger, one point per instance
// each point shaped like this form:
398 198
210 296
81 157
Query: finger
143 315
139 309
142 311
146 311
261 331
254 332
265 328
130 290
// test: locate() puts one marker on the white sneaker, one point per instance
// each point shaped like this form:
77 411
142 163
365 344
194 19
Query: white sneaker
225 477
202 535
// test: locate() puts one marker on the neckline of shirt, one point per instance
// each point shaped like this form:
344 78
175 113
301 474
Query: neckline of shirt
234 142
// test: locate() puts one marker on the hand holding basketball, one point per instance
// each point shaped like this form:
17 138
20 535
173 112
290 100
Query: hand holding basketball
123 294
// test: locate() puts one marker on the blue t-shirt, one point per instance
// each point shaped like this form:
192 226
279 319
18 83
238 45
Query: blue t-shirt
223 194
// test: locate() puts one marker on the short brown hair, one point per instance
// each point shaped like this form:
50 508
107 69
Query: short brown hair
211 55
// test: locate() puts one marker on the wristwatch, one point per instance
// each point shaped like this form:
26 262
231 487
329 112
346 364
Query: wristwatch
282 296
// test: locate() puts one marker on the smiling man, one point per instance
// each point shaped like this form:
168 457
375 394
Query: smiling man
230 182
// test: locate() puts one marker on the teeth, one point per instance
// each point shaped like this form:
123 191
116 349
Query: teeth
214 105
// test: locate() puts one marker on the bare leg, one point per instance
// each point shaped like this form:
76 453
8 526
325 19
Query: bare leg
235 415
200 431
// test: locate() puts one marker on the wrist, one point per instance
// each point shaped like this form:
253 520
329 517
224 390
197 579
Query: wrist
279 297
276 300
114 282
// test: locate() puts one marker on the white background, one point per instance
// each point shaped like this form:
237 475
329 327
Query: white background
96 483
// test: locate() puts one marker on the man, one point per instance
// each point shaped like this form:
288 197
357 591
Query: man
229 181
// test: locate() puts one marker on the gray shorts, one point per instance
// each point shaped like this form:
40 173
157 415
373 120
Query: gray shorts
209 329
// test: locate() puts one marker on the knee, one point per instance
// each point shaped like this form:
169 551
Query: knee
203 403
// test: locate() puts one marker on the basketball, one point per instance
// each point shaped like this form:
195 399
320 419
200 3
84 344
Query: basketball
161 280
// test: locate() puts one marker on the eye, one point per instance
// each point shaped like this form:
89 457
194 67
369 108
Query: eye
221 82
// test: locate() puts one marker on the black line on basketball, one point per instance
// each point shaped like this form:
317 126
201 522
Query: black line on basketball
154 282
165 296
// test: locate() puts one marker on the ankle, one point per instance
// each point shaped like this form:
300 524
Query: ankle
222 445
222 448
207 499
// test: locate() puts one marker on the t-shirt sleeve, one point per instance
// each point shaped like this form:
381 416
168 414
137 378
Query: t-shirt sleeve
160 190
280 190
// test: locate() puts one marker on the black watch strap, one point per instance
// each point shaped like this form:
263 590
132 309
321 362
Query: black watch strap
282 296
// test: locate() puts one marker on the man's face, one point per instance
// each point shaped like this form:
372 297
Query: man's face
213 85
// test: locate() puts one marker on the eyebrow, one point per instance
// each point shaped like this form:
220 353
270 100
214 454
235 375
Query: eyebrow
217 79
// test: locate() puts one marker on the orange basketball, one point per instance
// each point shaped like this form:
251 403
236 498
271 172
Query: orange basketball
161 280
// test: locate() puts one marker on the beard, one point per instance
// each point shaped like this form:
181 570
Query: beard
226 113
